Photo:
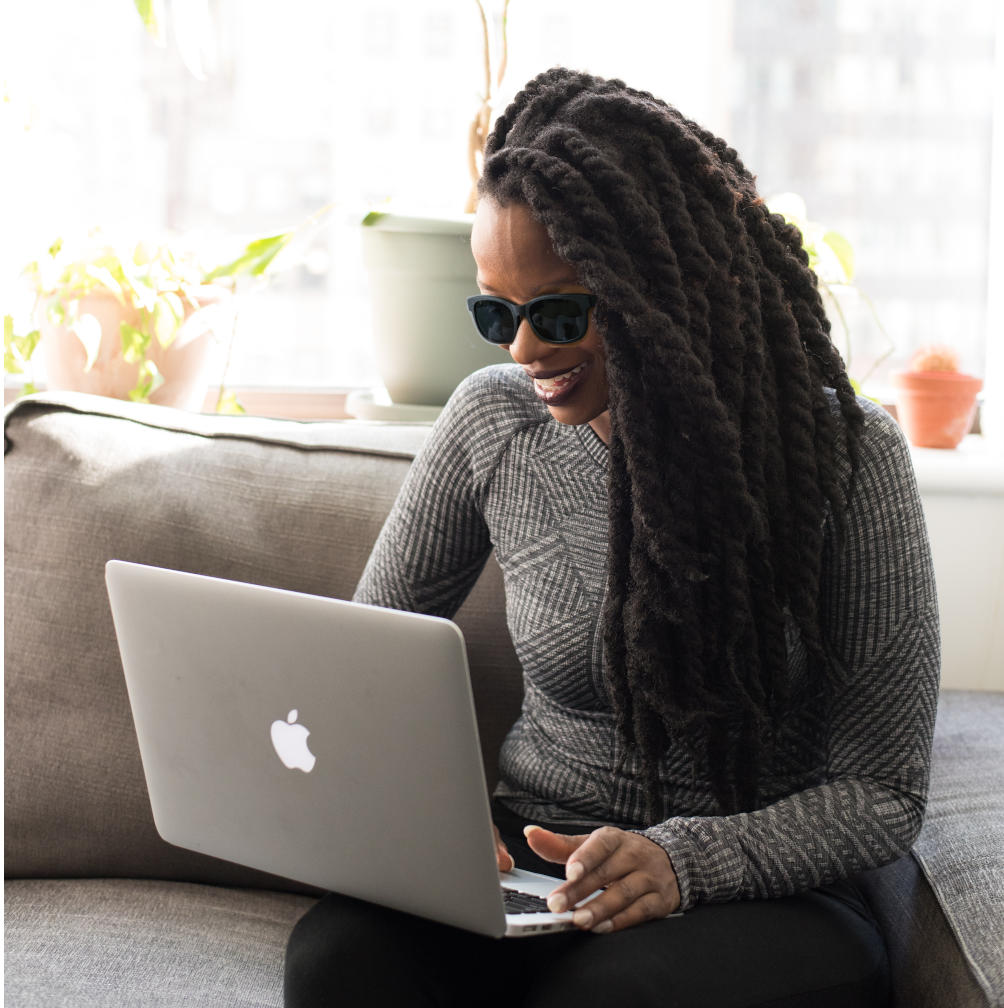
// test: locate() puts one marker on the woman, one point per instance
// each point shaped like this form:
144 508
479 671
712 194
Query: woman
718 584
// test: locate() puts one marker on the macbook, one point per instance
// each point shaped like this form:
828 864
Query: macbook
325 741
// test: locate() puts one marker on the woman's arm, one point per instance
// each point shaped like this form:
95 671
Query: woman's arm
882 619
434 542
881 612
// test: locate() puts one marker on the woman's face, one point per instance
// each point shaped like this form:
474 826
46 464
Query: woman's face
517 261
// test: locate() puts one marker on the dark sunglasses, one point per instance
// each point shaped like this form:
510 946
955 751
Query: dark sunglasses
554 318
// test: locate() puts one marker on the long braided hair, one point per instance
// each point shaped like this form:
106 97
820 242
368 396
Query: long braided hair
724 448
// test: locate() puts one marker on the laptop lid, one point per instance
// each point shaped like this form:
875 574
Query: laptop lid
317 739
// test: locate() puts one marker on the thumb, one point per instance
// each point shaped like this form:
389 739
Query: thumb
552 846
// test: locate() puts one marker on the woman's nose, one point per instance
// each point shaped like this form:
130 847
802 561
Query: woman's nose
526 347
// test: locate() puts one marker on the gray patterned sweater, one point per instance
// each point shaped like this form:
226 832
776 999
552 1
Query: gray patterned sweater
499 473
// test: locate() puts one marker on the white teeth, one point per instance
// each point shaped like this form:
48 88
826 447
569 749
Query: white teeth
550 384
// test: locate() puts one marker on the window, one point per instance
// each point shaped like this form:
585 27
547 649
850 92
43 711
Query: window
880 113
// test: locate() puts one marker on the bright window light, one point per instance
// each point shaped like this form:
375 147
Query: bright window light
251 117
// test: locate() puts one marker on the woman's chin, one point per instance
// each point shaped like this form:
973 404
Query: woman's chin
598 417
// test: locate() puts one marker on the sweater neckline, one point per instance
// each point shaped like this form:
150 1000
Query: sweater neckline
594 445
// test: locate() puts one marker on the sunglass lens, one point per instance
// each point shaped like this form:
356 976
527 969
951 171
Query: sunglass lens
494 322
559 320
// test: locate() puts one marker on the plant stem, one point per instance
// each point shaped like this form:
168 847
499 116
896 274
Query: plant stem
478 133
504 59
843 321
890 345
487 50
230 349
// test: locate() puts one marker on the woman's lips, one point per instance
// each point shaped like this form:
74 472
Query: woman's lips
556 388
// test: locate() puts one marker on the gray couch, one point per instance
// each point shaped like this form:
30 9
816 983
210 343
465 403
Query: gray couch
100 911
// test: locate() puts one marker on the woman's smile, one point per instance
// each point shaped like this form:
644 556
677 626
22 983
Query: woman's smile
555 388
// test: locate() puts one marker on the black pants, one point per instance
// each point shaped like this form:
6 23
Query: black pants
820 949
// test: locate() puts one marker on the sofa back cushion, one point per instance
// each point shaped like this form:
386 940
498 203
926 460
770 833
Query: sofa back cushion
272 502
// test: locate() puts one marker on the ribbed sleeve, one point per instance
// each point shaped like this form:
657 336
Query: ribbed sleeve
435 541
881 613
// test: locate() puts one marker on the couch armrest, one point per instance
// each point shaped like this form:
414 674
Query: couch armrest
942 908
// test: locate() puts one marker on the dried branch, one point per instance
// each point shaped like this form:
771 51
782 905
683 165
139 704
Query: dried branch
504 58
487 51
478 133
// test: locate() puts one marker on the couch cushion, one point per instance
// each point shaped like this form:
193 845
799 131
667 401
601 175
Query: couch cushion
279 503
961 847
123 942
942 908
928 967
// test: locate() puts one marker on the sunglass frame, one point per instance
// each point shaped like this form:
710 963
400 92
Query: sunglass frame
517 312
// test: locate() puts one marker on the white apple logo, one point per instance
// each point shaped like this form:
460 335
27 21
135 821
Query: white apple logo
290 741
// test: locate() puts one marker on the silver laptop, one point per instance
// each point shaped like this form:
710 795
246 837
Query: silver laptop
324 741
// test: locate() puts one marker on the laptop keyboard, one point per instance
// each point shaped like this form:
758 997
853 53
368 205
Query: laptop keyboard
521 902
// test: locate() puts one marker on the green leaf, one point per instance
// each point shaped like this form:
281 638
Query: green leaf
104 278
152 14
255 258
17 350
87 329
143 295
373 217
135 343
55 311
173 302
227 403
844 252
790 206
150 379
165 322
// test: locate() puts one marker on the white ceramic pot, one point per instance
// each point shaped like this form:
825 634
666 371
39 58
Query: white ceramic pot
421 272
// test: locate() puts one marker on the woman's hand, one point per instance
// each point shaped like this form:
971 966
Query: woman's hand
635 873
505 859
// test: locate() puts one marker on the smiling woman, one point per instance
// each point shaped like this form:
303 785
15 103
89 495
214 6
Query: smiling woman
683 500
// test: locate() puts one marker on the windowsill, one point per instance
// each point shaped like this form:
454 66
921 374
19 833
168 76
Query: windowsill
287 404
272 402
976 467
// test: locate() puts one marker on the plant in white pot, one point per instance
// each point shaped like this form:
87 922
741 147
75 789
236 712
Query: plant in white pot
421 272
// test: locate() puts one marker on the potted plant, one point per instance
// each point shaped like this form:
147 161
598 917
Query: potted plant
132 322
935 401
421 271
831 257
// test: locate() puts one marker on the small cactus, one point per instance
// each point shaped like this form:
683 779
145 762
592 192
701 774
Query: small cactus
935 358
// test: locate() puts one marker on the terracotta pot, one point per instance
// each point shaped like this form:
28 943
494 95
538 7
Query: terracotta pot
936 408
184 364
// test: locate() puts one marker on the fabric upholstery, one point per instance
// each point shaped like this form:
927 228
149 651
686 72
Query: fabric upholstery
103 942
927 968
961 848
942 908
290 505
